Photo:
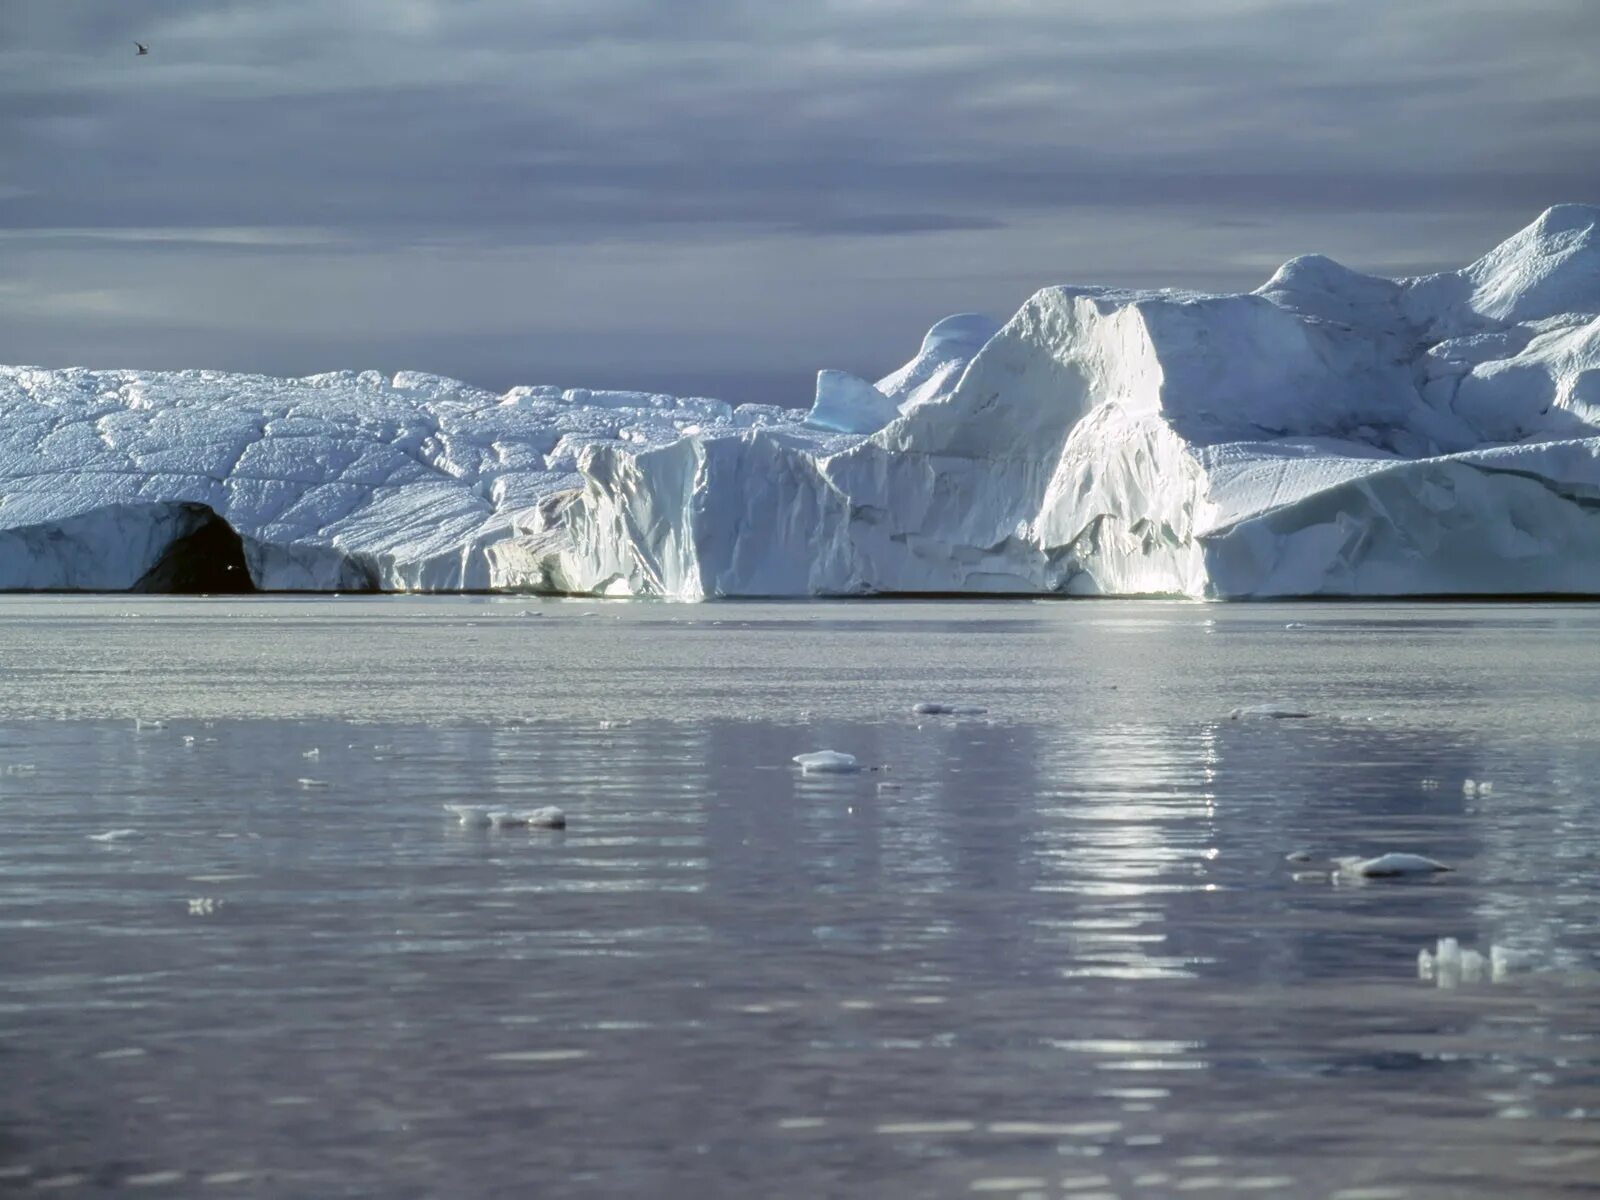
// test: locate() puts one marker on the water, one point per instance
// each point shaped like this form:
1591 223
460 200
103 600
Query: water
1054 950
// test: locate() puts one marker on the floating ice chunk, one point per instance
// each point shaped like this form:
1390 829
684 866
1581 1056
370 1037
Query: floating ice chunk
21 769
312 784
1503 960
938 708
827 762
1388 866
314 752
1451 964
114 835
477 817
470 817
1277 712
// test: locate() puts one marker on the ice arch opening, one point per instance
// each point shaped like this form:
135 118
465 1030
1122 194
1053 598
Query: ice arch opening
209 559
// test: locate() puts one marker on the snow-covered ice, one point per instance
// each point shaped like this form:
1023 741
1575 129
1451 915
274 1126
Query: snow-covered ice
1331 433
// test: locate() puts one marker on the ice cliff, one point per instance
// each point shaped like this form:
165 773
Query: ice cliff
1331 433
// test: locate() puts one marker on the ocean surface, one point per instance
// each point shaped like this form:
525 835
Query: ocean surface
1054 949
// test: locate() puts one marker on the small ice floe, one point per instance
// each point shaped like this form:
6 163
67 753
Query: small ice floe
1390 866
114 835
938 708
1450 964
314 752
21 769
827 762
1276 712
312 784
474 817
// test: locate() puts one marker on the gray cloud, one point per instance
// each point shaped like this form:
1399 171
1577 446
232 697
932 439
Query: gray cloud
467 185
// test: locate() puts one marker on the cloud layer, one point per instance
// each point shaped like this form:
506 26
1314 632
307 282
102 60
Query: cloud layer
721 194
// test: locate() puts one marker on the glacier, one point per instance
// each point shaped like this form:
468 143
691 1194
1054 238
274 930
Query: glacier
1329 434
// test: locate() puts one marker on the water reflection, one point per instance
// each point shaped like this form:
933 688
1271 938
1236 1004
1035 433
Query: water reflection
1017 951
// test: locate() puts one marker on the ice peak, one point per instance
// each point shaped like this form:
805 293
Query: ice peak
1552 266
1565 218
1316 286
960 335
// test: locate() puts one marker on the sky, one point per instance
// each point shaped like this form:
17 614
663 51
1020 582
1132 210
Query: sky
719 197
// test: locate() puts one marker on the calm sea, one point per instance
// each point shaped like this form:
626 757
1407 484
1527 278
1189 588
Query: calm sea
1054 949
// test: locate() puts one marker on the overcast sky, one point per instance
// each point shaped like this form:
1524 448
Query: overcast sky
721 196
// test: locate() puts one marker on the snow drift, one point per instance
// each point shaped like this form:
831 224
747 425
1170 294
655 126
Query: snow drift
1331 433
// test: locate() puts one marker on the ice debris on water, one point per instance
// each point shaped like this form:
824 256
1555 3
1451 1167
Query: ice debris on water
1449 964
1390 866
114 835
938 708
470 817
478 817
827 762
314 752
1278 712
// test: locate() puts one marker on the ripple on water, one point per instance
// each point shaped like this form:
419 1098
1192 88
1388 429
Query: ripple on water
947 983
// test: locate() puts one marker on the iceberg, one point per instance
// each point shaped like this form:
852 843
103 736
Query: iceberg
1329 434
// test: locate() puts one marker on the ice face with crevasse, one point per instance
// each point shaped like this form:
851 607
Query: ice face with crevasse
1331 433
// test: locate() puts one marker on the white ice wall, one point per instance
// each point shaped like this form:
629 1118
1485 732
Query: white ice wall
1332 433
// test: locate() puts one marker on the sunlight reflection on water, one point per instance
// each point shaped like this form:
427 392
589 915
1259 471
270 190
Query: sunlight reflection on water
1063 945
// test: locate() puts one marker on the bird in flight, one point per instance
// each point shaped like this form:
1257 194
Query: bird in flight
143 49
